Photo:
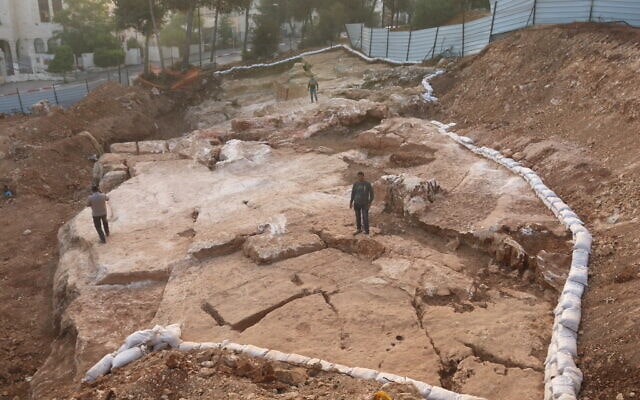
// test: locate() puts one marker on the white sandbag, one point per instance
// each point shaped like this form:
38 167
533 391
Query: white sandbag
326 365
561 206
276 355
548 391
551 352
297 359
562 385
127 357
552 200
364 373
255 351
169 334
575 228
565 360
580 257
342 369
100 368
466 139
534 180
385 377
186 346
438 393
568 221
139 337
551 371
423 388
569 300
568 344
160 346
510 162
539 187
468 397
579 274
210 345
312 362
571 318
566 396
573 288
233 347
567 213
583 241
549 193
576 377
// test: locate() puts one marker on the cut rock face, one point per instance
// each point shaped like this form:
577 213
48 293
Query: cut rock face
266 248
112 179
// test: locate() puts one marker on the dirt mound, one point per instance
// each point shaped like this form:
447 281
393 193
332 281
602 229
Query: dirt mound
47 161
218 374
564 100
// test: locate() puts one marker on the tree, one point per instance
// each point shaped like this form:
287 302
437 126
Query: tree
266 35
62 60
137 14
187 8
226 32
86 26
108 57
431 13
246 5
221 6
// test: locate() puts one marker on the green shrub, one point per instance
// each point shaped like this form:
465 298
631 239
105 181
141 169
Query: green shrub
62 60
132 43
108 57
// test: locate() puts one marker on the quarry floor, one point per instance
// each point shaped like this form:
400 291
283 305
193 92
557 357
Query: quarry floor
421 296
444 290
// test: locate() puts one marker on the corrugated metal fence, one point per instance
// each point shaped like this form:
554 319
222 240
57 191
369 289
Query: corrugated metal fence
472 37
63 95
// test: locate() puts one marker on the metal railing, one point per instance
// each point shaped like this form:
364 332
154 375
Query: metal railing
473 36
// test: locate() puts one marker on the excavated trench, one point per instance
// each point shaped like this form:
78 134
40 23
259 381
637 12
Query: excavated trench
253 242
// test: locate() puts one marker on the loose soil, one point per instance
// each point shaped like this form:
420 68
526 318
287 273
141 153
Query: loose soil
217 374
564 100
47 163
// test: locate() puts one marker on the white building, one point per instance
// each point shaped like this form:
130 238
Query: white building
26 29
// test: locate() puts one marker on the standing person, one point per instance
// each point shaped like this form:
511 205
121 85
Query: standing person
98 203
313 88
361 199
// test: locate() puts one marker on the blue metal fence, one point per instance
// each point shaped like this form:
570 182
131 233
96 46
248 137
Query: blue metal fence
473 36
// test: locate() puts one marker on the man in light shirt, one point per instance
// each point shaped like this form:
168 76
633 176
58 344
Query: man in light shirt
98 203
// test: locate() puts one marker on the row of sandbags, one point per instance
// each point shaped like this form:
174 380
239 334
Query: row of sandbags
159 338
310 53
563 378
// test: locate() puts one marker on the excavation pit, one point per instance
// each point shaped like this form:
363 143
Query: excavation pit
452 287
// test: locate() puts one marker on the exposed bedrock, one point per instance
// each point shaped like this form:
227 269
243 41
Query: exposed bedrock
244 241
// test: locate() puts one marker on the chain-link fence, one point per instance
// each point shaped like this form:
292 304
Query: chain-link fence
471 37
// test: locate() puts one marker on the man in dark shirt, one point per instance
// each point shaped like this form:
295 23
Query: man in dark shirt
98 203
361 199
313 88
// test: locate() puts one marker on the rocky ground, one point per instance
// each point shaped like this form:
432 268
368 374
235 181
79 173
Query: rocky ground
46 161
241 230
220 375
564 101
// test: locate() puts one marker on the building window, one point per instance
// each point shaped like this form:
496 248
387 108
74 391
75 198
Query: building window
43 6
57 6
38 44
